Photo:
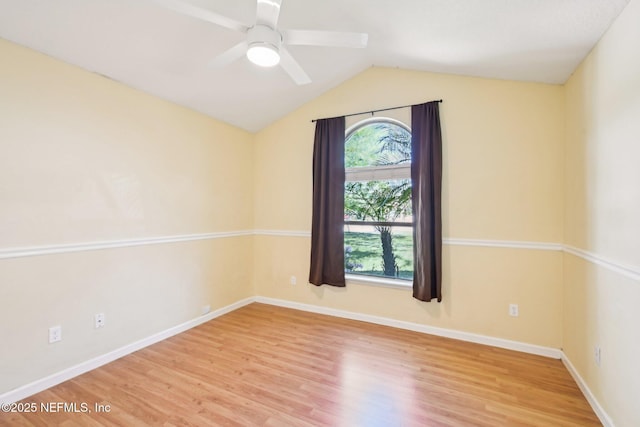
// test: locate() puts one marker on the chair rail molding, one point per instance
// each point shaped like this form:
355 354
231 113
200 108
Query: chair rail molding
632 272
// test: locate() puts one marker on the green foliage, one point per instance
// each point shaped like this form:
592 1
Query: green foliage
395 146
377 200
365 253
362 146
378 144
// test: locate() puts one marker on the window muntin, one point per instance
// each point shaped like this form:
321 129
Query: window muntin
378 221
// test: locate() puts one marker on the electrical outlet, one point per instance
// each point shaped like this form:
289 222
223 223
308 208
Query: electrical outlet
100 320
206 309
514 311
293 280
597 355
55 334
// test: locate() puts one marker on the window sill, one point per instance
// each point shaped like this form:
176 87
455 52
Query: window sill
378 281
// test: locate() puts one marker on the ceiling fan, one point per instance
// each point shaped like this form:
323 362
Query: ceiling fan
265 42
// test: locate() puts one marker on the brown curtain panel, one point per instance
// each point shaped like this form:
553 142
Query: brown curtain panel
327 223
426 193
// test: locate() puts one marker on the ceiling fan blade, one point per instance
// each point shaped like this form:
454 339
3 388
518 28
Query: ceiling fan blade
325 38
229 55
292 68
268 12
203 14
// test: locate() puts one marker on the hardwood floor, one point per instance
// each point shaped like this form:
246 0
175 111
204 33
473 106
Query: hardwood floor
270 366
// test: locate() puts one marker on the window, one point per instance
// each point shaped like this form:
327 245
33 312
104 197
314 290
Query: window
378 230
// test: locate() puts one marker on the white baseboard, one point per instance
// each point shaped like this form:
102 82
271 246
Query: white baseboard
79 369
595 405
442 332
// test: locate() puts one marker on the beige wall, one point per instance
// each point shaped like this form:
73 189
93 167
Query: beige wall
603 218
84 159
503 181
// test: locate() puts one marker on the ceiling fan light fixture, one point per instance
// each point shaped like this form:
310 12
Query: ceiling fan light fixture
263 54
264 45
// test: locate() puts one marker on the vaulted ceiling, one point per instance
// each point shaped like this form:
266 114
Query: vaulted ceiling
145 45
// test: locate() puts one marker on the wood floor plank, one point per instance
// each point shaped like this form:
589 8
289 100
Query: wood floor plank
270 366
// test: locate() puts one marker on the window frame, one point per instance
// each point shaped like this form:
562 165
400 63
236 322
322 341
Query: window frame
377 173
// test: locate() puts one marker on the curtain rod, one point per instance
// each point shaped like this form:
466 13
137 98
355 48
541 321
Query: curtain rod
374 111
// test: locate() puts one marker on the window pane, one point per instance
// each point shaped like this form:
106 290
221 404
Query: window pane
379 251
378 200
378 144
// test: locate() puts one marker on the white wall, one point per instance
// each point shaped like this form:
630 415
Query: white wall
602 219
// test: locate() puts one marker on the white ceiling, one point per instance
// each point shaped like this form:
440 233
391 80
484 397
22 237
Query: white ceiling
161 52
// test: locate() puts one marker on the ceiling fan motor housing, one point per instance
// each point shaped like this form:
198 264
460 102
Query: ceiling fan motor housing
264 36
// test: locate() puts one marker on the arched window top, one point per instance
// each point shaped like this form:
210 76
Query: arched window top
377 142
